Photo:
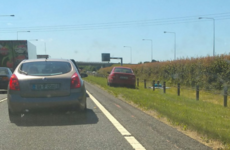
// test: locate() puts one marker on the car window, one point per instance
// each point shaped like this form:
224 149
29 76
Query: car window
45 68
9 72
123 70
3 71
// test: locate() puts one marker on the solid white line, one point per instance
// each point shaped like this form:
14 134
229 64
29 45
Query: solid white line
3 100
131 139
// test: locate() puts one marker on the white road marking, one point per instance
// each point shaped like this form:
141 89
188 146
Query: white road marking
3 100
131 139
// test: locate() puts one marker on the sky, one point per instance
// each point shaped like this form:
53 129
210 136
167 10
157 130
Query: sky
83 30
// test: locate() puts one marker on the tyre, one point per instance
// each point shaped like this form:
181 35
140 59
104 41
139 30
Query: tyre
13 117
83 106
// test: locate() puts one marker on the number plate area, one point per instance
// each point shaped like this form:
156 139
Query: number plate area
123 77
44 87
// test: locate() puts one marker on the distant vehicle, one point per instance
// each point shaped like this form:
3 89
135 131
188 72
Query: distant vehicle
12 52
45 83
121 76
5 74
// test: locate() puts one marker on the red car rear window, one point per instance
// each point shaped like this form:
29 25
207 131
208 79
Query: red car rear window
123 70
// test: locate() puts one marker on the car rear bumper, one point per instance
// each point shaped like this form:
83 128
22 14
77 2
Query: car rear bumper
16 103
122 82
3 85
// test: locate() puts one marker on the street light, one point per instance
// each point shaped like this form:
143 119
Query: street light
130 53
7 15
151 47
21 31
174 42
213 32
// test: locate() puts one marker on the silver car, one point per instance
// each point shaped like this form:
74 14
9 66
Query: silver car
45 83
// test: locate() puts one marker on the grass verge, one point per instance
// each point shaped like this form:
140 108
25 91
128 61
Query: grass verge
204 117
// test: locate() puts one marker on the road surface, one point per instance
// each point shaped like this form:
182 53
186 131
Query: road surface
109 123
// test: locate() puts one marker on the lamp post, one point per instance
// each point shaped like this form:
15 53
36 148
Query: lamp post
213 32
6 15
21 31
174 42
151 47
130 53
44 44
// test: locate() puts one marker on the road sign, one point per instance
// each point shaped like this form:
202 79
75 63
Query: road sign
105 56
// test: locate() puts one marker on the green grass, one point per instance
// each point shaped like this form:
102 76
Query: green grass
204 116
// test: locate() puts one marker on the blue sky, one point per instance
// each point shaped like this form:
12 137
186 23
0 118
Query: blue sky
82 30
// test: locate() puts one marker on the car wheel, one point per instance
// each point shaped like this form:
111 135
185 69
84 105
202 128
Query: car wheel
13 116
83 106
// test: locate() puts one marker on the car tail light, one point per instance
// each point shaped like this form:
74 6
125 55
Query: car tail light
14 83
75 81
113 75
134 78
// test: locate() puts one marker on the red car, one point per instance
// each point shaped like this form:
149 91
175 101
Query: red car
121 76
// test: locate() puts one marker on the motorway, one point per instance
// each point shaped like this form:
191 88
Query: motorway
109 124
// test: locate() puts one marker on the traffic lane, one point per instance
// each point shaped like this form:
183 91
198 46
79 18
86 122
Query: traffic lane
150 132
60 130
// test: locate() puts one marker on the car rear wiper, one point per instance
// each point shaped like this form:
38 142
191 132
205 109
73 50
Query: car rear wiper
23 72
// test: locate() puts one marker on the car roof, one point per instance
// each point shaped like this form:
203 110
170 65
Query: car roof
44 59
123 67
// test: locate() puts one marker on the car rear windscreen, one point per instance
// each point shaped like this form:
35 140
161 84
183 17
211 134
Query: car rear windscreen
45 68
123 70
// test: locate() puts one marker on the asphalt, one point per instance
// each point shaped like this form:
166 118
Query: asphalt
93 130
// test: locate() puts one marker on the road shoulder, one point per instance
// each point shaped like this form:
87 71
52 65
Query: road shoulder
145 119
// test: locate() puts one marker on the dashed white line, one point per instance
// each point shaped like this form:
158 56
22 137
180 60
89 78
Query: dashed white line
131 139
3 100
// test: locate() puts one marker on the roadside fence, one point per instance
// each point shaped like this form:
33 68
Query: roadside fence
156 84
